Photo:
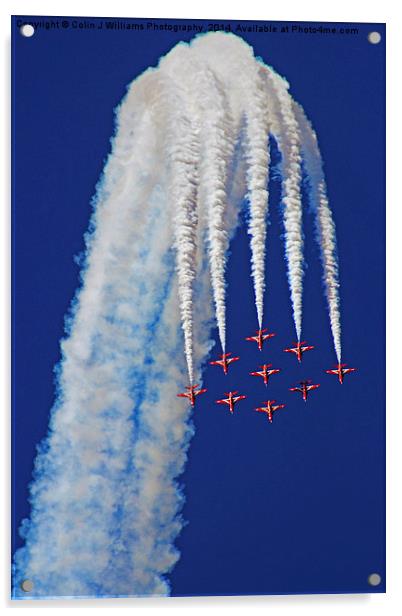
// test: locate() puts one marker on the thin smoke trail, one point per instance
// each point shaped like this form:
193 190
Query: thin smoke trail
290 146
325 226
217 151
106 503
184 157
257 153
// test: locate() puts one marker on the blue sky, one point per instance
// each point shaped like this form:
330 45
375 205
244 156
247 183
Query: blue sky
296 506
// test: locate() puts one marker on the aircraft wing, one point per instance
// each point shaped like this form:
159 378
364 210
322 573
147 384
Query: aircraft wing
183 395
223 401
295 389
332 371
312 387
218 362
289 350
346 370
236 398
252 338
200 391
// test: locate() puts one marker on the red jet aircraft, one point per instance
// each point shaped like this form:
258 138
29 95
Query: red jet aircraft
231 400
269 408
265 372
260 337
224 361
299 349
304 388
191 393
340 371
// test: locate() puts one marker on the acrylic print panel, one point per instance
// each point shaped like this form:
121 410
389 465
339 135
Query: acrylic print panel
198 308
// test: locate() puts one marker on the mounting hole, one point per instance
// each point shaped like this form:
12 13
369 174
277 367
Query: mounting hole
27 585
27 30
374 579
374 38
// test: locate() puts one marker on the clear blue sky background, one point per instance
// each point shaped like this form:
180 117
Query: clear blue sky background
296 506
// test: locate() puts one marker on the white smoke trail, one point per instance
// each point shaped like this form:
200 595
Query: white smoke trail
217 152
290 146
184 157
257 153
105 498
325 226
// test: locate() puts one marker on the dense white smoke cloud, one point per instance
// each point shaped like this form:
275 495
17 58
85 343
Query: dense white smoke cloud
191 145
